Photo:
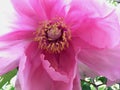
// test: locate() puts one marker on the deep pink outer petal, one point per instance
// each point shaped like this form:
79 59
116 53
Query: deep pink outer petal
67 61
34 77
103 61
33 73
51 71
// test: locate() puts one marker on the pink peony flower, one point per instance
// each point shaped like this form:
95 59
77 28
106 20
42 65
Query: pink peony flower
47 38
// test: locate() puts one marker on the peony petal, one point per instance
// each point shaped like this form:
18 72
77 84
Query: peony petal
118 12
85 71
68 64
34 76
76 82
93 26
87 8
78 43
25 17
57 76
48 9
37 6
10 54
62 64
5 16
12 21
19 23
103 61
17 85
23 7
100 33
17 35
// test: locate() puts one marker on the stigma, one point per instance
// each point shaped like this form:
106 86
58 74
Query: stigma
53 36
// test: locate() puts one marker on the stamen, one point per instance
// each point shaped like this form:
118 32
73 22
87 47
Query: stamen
53 36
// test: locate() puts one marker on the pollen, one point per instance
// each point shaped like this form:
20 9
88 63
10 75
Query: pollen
53 36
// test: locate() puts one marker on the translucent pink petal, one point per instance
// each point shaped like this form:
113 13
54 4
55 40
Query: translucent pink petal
100 30
101 33
59 62
86 71
103 61
17 85
6 16
12 48
10 54
57 76
34 76
38 8
76 82
25 17
118 12
23 7
93 9
48 9
68 64
20 22
17 35
79 43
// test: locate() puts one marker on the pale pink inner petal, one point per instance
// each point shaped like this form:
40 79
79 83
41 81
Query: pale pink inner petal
10 54
98 32
86 71
25 17
98 29
38 8
103 61
20 22
6 16
48 9
23 7
92 8
18 35
76 82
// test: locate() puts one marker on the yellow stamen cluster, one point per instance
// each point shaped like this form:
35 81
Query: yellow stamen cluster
53 36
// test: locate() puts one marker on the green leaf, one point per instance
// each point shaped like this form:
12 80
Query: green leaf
102 87
109 88
85 85
7 77
9 87
102 79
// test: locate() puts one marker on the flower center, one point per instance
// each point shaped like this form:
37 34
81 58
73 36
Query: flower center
53 36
